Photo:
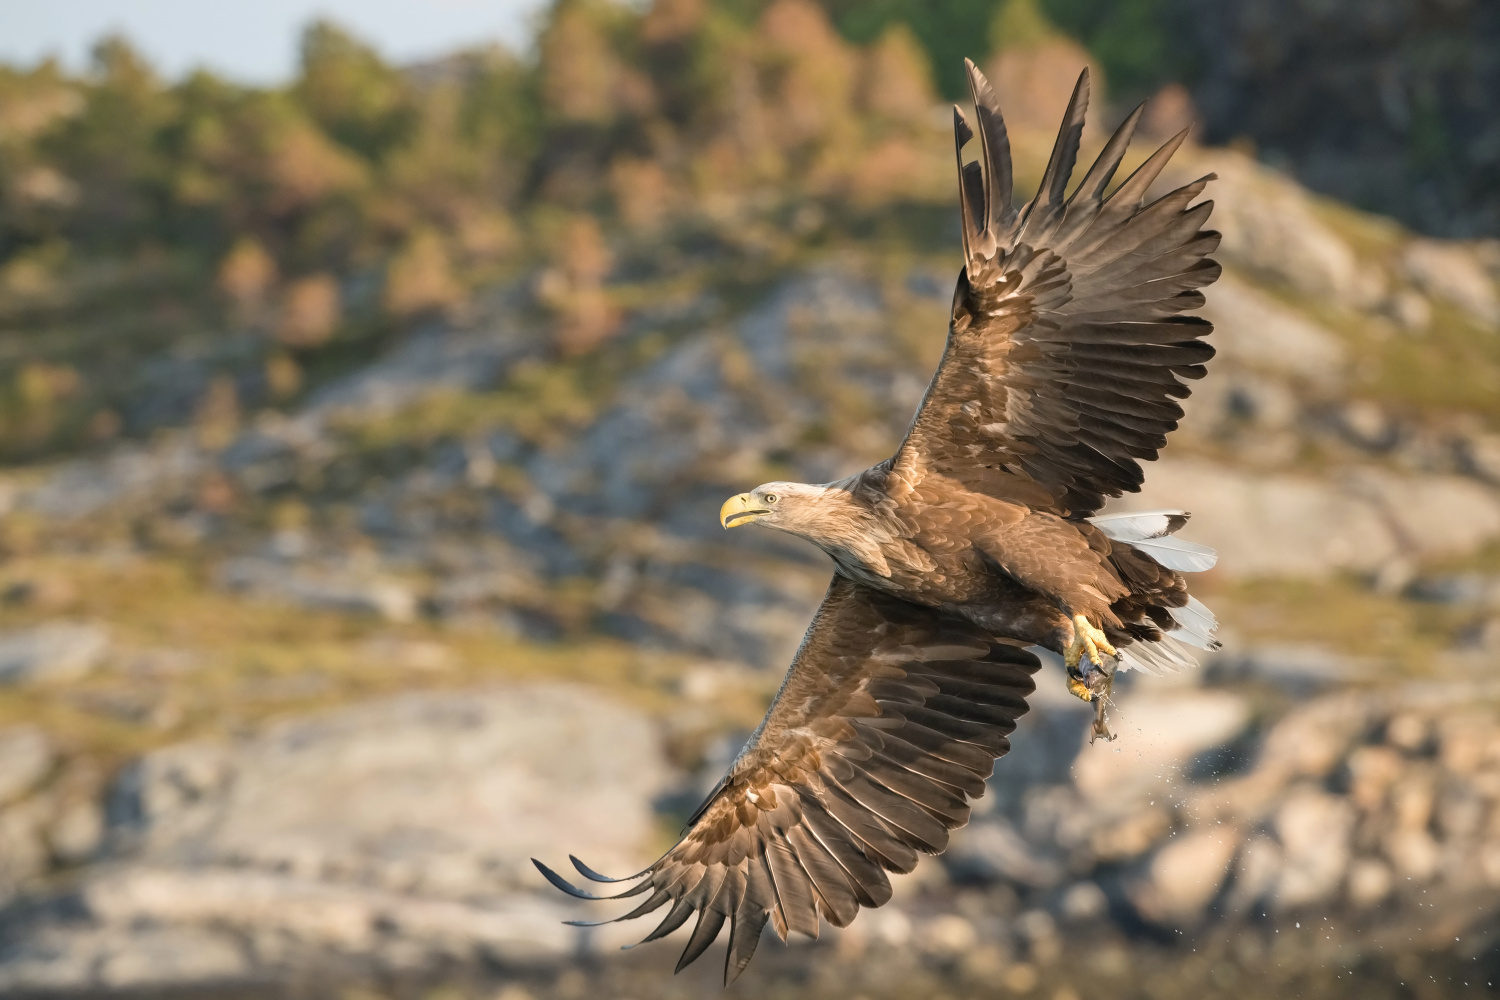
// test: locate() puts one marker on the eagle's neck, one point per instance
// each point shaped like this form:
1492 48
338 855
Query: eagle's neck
844 524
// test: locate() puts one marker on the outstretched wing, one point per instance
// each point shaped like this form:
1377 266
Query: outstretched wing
888 723
1069 338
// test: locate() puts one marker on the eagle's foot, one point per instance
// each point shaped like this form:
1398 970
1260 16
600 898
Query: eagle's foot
1089 678
1095 686
1091 683
1087 641
1078 685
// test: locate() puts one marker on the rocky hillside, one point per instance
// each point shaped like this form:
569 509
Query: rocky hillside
293 681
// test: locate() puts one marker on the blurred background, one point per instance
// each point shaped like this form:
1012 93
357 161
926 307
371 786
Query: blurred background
367 398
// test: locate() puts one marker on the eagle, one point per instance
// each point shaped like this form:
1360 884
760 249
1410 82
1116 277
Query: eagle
1068 345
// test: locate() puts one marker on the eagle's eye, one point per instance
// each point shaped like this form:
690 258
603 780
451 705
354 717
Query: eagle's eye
770 498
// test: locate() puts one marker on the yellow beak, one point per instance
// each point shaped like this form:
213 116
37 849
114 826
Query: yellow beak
741 509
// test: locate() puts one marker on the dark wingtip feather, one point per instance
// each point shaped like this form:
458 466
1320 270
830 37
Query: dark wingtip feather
1043 210
1176 140
594 876
962 133
998 213
744 937
1131 193
675 918
1099 175
1069 137
705 931
652 903
961 130
561 883
979 86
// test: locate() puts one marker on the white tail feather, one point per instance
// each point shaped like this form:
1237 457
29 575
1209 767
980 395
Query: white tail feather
1164 656
1178 554
1137 526
1198 611
1150 532
1195 625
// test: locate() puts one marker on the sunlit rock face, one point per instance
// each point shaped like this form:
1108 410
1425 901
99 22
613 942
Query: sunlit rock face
1198 816
394 832
448 794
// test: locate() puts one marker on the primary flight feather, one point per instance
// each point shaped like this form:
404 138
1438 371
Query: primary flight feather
1070 337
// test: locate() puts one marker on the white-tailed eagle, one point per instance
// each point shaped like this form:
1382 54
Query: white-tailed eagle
1071 335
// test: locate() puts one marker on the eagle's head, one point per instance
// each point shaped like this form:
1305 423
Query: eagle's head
814 512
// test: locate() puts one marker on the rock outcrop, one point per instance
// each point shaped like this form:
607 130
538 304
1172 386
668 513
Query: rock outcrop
395 835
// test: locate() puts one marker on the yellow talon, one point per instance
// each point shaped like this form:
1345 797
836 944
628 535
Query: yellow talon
1078 687
1086 640
1093 683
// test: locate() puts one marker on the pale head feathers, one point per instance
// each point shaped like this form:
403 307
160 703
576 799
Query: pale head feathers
827 516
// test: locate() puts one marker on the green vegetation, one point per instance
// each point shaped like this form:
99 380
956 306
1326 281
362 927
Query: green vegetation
949 30
273 237
218 664
1389 637
1141 44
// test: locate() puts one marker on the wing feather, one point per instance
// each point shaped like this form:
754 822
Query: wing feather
867 759
681 909
1069 339
795 889
710 921
749 920
837 898
1046 208
996 148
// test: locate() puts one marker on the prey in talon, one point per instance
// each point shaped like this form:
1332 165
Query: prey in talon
1090 677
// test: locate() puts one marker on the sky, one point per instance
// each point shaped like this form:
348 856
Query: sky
252 41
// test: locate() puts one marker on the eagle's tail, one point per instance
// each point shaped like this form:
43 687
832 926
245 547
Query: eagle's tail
1188 624
1151 531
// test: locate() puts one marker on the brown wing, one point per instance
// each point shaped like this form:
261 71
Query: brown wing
1069 338
888 722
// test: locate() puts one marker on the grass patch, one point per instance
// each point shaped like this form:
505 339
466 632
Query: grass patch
1399 637
1452 366
190 660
